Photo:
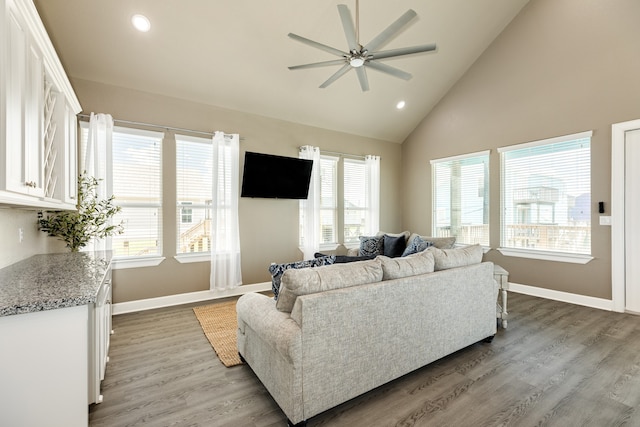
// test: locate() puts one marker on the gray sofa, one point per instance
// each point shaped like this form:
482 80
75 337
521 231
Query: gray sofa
338 331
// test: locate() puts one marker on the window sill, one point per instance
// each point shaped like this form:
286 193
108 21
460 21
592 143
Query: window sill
122 263
194 257
546 255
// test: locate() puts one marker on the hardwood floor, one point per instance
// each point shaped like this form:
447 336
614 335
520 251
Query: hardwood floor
556 365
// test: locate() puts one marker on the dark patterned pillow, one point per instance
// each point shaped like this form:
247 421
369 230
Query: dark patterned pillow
277 270
418 244
371 245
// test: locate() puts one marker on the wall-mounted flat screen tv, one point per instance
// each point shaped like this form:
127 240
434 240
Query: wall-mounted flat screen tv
270 176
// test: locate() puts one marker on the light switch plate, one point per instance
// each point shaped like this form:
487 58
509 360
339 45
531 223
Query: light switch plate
605 220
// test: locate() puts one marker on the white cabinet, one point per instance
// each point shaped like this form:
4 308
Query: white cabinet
43 367
38 141
99 338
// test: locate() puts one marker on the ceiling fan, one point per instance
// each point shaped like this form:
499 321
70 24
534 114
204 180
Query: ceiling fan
358 56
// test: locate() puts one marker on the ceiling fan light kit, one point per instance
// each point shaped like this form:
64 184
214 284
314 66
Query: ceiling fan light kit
359 57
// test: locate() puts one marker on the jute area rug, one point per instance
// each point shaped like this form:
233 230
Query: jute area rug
219 324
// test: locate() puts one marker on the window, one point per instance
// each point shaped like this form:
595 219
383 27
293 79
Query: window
328 200
355 200
461 198
136 176
194 158
546 197
344 203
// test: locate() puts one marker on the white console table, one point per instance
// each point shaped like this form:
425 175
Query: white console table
502 277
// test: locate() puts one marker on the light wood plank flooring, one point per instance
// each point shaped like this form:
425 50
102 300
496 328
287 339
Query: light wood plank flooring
556 365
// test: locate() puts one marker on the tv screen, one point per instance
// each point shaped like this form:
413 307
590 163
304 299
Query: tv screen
270 176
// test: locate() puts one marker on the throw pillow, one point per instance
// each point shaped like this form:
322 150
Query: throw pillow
438 242
393 246
459 257
277 270
406 235
306 281
371 245
411 265
418 244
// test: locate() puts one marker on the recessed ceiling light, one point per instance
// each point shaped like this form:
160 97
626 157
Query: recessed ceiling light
400 105
141 23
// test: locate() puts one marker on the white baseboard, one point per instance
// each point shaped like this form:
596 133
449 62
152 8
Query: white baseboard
171 300
593 302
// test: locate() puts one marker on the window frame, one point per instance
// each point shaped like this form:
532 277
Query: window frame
540 254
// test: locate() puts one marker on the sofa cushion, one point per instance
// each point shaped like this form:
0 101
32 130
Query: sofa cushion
438 242
306 281
458 257
393 246
277 270
418 244
371 245
411 265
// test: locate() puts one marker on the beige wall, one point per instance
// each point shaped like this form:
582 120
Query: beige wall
268 227
34 241
562 66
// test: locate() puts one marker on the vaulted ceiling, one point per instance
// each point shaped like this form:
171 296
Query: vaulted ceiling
235 54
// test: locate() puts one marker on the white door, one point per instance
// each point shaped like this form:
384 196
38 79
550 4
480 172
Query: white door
625 216
632 220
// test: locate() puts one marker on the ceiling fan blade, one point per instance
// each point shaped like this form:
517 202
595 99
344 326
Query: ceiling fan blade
402 51
318 64
389 70
318 45
362 78
349 30
390 31
342 71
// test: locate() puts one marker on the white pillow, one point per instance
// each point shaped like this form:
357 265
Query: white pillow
410 265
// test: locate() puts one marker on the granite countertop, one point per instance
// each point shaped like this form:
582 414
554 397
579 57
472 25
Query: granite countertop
51 281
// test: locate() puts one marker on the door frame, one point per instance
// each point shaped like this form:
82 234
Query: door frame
618 261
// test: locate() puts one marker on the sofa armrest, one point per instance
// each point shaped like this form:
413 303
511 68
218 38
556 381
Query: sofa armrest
258 312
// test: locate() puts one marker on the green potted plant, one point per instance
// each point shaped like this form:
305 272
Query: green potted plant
90 220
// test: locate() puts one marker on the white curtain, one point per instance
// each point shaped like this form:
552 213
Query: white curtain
372 171
310 208
96 161
225 239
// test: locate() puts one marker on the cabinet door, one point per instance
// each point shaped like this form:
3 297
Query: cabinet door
23 108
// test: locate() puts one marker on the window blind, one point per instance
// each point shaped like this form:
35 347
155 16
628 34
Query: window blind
546 195
136 176
355 203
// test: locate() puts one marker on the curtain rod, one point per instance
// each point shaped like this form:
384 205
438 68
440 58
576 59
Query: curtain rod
336 153
86 117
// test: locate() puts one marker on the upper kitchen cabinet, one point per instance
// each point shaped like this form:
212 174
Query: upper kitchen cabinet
38 124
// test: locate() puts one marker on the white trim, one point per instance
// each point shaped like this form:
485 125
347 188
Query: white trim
600 303
546 255
187 258
618 131
579 135
122 263
461 156
186 298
